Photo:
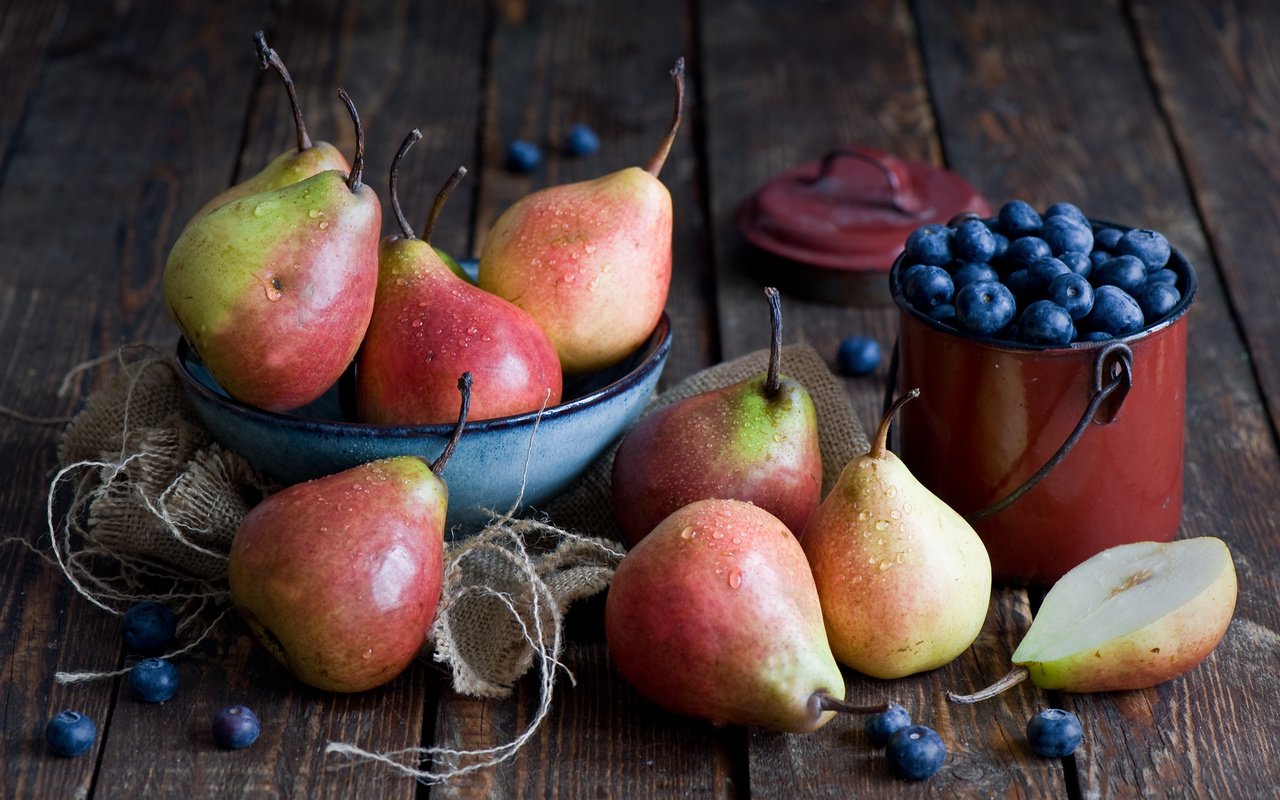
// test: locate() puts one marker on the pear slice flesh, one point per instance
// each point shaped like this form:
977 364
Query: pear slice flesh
1130 617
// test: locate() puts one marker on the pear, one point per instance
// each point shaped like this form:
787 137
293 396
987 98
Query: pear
1132 616
339 578
714 615
274 290
905 582
756 440
589 261
428 325
307 159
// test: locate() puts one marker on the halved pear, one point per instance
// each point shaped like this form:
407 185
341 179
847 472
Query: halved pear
1130 617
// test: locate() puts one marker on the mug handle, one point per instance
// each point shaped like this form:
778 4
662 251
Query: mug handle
1112 372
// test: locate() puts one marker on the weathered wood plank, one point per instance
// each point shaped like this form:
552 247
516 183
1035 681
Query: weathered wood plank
96 172
25 32
554 65
786 86
1027 115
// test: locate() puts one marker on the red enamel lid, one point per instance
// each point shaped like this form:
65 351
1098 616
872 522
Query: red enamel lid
853 208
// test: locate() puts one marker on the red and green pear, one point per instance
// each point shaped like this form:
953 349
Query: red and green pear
429 325
274 290
340 577
905 581
756 441
714 615
306 159
1132 616
589 261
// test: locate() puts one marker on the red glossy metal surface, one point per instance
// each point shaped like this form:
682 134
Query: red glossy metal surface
989 416
846 216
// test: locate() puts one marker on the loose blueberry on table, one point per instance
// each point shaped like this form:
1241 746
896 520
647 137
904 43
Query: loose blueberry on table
880 727
235 727
858 355
69 733
1054 733
153 680
916 752
581 140
523 156
148 627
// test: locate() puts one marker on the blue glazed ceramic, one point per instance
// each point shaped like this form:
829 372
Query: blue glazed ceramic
488 466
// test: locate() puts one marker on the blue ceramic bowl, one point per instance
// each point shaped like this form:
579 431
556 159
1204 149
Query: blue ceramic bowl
488 466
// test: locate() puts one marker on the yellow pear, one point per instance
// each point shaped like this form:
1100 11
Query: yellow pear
904 581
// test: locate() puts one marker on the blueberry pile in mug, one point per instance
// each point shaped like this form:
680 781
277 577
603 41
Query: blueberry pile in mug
1038 278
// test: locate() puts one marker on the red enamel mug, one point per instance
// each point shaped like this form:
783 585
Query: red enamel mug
1053 453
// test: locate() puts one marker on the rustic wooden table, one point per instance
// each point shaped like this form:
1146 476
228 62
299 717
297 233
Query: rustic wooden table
120 119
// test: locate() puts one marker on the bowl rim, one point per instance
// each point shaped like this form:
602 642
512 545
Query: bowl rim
654 352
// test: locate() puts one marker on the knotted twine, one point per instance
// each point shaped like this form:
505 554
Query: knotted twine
157 502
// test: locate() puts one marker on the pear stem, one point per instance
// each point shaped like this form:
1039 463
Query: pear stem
441 197
413 136
357 163
269 58
881 443
828 703
771 382
660 156
464 388
1015 676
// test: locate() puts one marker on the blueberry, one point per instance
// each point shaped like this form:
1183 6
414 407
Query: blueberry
1067 210
930 244
153 680
1044 270
523 156
1045 322
1066 235
470 267
944 313
1099 257
1107 239
880 727
984 308
1163 276
1078 263
1026 251
1018 218
916 752
581 140
1114 312
973 271
973 241
858 355
1096 336
1054 733
1022 285
69 733
148 627
926 286
1002 245
1126 272
235 727
1149 246
1156 300
1073 292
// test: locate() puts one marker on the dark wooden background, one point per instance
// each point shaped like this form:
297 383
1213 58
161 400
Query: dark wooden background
119 119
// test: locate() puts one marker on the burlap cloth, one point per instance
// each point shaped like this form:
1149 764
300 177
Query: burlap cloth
156 504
